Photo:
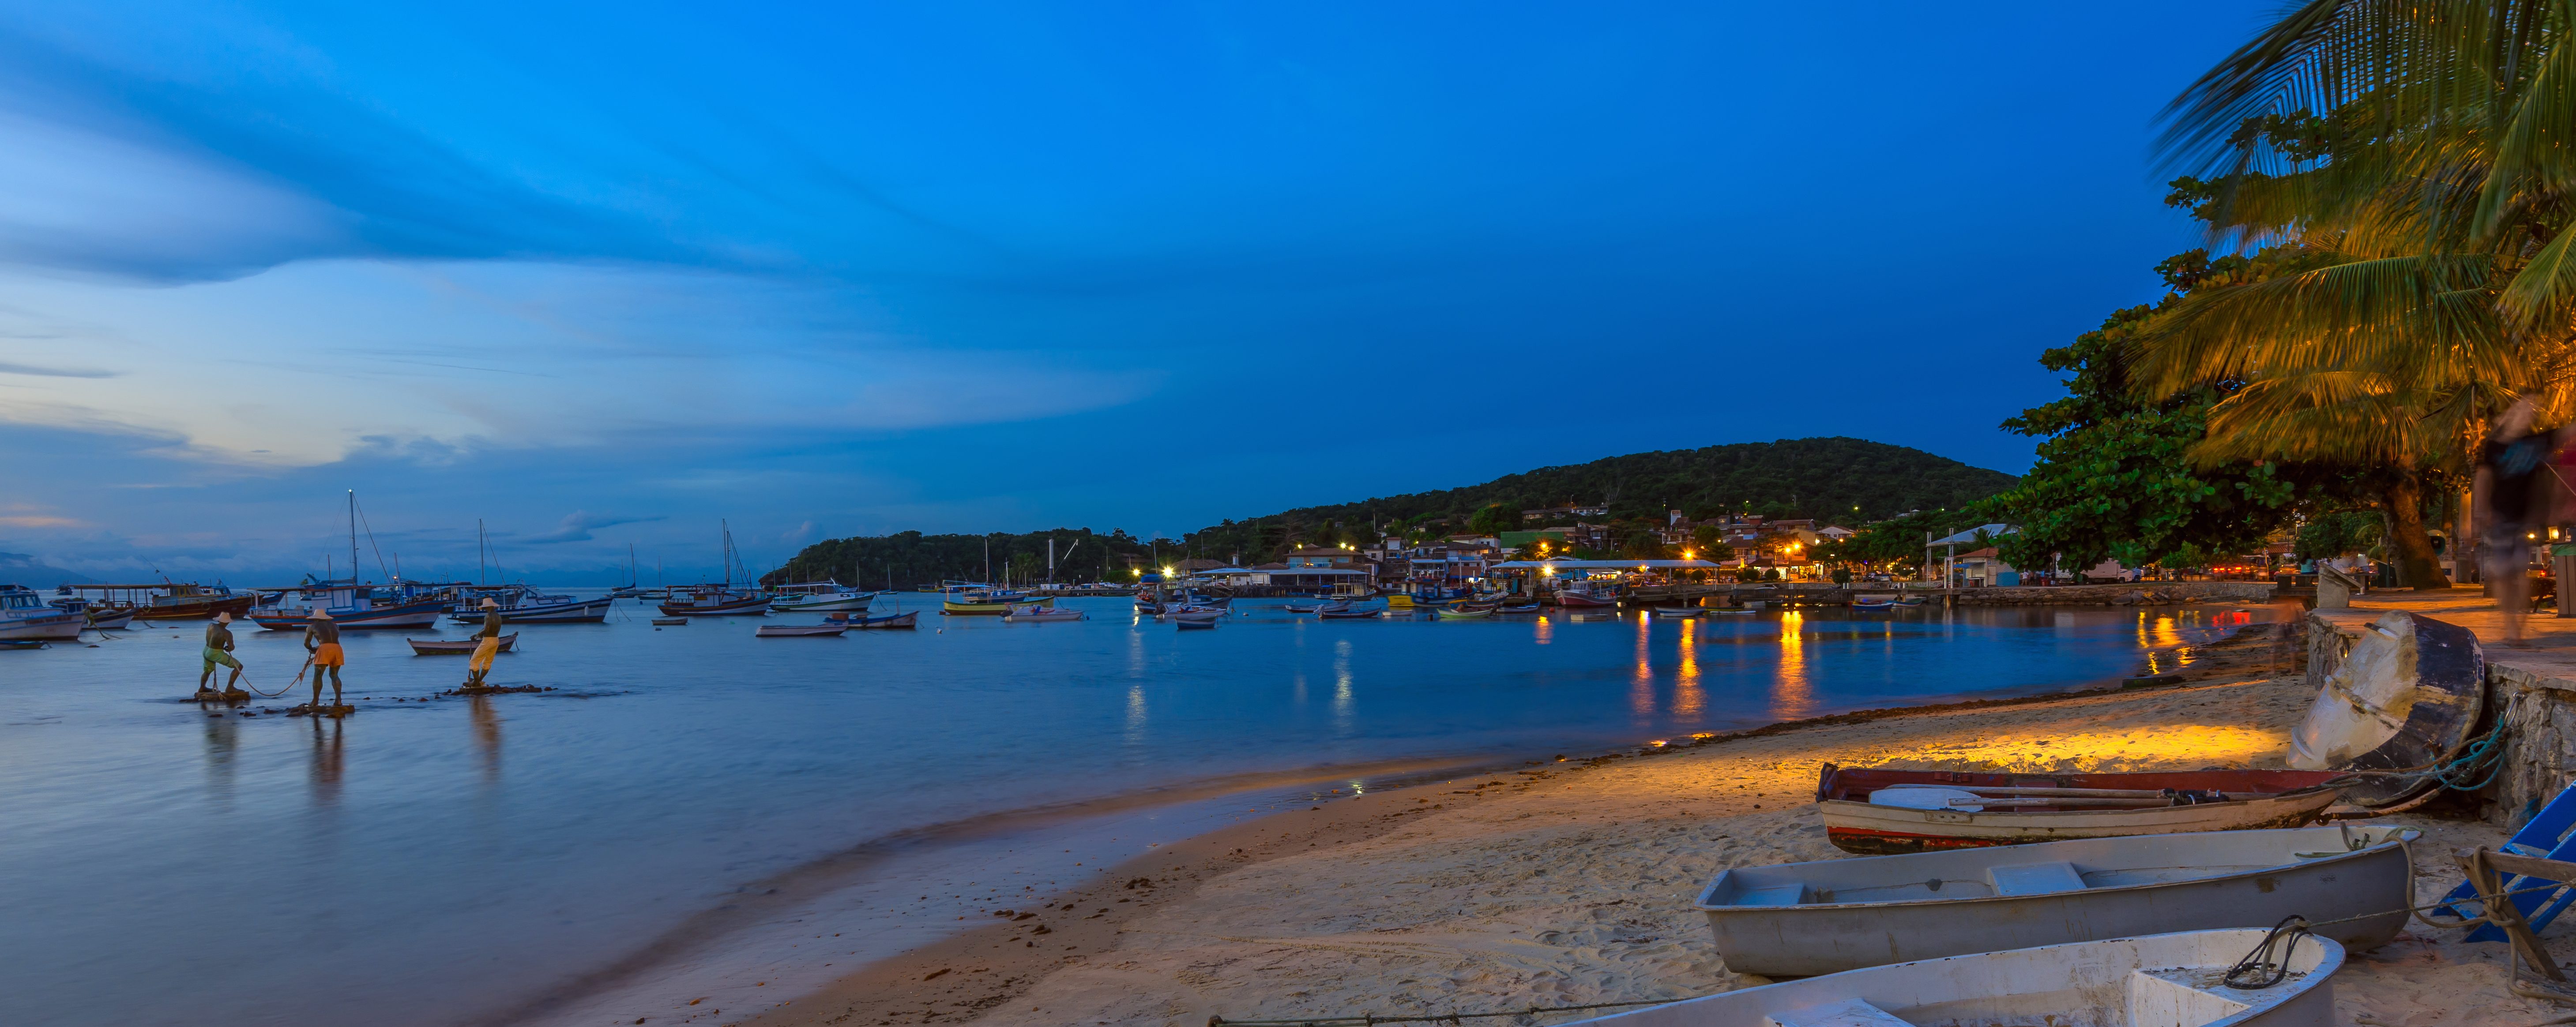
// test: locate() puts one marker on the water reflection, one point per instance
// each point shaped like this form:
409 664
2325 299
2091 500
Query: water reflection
1687 700
1641 689
1342 704
1792 694
325 771
223 746
487 737
1134 736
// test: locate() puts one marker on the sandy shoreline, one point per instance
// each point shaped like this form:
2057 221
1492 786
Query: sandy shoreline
1569 883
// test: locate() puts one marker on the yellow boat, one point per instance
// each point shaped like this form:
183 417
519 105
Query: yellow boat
1399 601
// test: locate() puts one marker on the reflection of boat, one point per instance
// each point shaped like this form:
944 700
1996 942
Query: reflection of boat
456 646
2171 980
24 617
1802 919
1873 812
2407 695
800 630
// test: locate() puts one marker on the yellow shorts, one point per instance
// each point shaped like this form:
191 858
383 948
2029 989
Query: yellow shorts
329 655
483 653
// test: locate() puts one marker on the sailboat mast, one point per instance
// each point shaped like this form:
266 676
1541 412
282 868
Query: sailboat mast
353 538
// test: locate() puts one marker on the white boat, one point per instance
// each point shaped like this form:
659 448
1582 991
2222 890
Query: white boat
1194 616
1036 614
819 597
2159 980
1802 919
24 617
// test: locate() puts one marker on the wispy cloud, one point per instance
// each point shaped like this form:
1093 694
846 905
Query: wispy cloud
578 525
53 372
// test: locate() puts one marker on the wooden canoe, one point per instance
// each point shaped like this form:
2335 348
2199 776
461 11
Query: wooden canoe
455 646
2408 694
800 630
1802 919
2206 802
2170 980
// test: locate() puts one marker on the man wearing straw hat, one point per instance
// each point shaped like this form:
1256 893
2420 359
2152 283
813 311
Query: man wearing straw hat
219 653
322 639
489 647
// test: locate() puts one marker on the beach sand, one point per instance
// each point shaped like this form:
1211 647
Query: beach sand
1566 883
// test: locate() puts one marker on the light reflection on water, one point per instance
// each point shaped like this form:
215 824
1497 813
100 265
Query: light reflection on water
523 839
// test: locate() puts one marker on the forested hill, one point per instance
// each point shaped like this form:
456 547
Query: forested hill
1849 481
1837 480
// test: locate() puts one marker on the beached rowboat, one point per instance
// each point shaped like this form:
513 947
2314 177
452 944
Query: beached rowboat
1802 919
2160 980
455 646
2408 694
1862 813
800 630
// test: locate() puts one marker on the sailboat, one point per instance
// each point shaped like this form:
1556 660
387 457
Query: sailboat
354 604
720 600
632 587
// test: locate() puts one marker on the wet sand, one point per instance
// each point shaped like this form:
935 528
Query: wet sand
1567 883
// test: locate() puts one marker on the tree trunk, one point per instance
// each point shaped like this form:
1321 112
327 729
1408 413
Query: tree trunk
2408 541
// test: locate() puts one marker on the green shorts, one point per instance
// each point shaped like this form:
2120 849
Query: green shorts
216 657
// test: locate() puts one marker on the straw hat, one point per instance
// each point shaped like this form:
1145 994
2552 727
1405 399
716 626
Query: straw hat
490 603
321 614
224 618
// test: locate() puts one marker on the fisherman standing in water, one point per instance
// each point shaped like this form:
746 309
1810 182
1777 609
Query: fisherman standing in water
488 647
322 639
219 653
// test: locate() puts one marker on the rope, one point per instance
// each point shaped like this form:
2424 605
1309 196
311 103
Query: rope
2259 969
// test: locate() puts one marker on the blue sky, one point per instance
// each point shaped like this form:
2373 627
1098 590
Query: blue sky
605 274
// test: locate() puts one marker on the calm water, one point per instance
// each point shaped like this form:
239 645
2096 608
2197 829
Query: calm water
446 862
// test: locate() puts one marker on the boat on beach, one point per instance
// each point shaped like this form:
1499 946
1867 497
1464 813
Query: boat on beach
1828 916
1878 812
2408 694
2158 980
25 617
456 646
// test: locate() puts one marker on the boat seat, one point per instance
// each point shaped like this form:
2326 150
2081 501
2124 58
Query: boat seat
2034 878
1846 1013
1784 895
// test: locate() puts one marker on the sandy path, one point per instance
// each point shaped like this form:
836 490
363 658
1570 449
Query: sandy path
1571 883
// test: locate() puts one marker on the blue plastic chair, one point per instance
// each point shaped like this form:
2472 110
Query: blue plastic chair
2546 836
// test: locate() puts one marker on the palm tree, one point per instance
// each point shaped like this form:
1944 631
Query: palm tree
2407 170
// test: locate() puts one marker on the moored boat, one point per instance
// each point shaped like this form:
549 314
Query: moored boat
1348 613
1802 919
22 643
355 606
820 597
800 630
2163 980
1677 612
190 602
24 617
1522 608
1033 613
456 646
1876 812
1873 602
1583 600
1464 611
891 620
714 602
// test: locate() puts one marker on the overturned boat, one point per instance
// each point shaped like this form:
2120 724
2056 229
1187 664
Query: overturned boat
1880 812
2406 695
1801 919
2163 980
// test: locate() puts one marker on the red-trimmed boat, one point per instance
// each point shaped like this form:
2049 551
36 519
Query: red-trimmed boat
1878 812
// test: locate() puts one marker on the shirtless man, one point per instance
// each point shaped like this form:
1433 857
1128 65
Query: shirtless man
219 653
322 639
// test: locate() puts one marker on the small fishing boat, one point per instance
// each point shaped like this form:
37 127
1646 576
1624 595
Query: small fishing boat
1399 601
1464 611
2159 980
891 620
715 603
1194 615
985 602
191 602
356 608
1309 608
458 646
1732 611
1878 812
669 621
1193 623
2408 694
800 630
1677 612
25 617
1873 602
22 643
109 620
1522 608
819 597
1033 613
548 610
1803 919
1346 613
1584 601
1912 601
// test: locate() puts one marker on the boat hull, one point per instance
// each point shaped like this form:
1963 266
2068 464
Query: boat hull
114 620
1854 825
800 630
585 611
2164 979
956 608
54 626
456 646
1581 602
2408 694
198 608
896 621
826 604
755 606
1871 911
406 615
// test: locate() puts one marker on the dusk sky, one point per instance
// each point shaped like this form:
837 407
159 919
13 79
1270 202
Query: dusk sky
605 274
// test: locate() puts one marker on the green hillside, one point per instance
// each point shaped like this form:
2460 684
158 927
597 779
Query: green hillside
1838 480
